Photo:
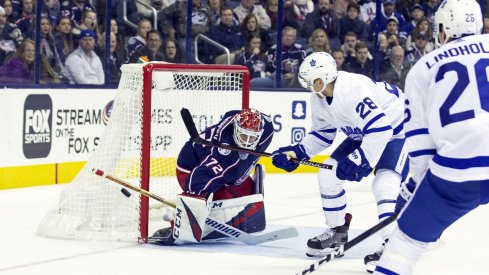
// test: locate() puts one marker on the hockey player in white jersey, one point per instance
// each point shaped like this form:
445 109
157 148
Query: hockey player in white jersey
371 115
448 95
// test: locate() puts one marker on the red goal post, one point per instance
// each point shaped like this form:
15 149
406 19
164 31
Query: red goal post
141 144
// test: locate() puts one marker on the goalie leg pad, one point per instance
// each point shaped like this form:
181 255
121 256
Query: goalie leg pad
245 213
190 216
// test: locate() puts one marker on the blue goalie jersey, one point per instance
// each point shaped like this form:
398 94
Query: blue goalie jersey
211 168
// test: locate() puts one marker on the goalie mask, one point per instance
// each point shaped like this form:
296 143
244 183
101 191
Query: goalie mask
248 128
457 18
318 65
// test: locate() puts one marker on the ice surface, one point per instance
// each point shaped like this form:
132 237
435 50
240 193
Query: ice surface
290 200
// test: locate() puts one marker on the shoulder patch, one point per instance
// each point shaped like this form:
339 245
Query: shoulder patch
223 151
243 156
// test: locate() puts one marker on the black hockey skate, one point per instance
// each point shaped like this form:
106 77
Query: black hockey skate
372 260
162 236
331 241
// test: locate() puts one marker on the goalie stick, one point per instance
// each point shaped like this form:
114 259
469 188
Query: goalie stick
194 136
314 266
222 228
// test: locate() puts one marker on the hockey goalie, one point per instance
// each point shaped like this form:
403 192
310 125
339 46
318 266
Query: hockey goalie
216 182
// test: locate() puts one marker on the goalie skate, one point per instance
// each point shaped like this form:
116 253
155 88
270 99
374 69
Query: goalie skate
163 236
330 242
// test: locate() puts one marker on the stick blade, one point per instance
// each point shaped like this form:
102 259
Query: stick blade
189 123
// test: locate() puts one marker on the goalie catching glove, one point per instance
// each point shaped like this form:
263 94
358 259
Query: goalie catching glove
354 167
281 157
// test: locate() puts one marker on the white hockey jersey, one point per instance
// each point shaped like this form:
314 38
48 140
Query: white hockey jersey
447 94
362 109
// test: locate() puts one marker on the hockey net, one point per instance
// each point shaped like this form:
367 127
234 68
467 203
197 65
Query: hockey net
141 144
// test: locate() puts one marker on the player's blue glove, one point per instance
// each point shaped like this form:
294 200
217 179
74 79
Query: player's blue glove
283 154
354 167
406 193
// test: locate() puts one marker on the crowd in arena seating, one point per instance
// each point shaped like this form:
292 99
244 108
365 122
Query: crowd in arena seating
73 38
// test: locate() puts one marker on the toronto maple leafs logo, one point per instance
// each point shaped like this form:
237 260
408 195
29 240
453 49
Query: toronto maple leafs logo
313 63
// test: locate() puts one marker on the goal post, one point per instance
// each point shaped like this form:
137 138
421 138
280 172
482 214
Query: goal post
141 144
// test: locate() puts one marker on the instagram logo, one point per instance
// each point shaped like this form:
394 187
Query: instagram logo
298 133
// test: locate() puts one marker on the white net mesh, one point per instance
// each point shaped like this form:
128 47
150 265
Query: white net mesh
93 207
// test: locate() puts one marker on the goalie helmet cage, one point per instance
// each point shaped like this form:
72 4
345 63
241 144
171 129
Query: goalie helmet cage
141 143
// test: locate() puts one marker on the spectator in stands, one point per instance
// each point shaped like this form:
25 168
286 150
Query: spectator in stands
90 22
338 56
302 8
383 51
174 23
288 18
418 50
423 26
318 42
9 11
430 6
360 64
116 58
152 51
367 11
250 27
51 8
172 51
214 12
388 12
404 7
392 33
10 37
83 66
16 9
118 13
54 67
253 57
352 23
292 57
227 35
63 37
114 28
19 69
322 17
248 6
394 70
74 9
139 41
417 13
26 17
486 25
340 7
349 44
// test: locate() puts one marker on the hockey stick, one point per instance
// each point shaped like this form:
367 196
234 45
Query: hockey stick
222 228
314 266
194 136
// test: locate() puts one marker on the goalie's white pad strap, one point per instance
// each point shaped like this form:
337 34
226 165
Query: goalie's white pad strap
220 204
191 214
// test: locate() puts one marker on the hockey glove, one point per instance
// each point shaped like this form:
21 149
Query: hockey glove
406 193
283 154
354 167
